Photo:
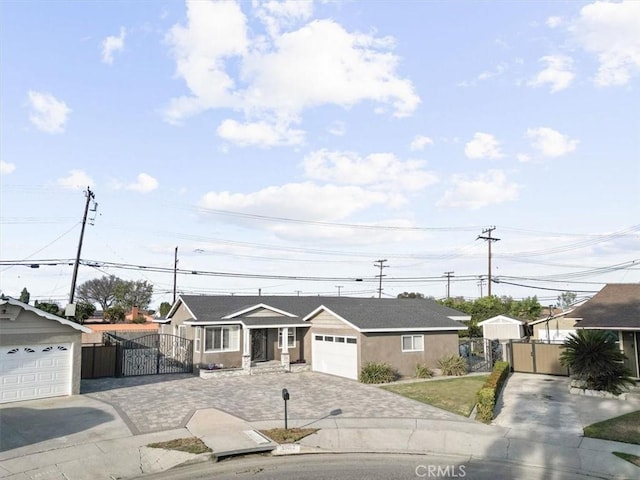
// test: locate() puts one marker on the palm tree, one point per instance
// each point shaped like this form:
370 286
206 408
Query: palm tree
593 357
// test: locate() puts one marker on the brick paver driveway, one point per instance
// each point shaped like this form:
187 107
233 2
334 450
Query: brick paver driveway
162 402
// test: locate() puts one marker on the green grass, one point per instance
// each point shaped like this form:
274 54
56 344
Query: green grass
290 435
628 457
625 428
189 445
457 395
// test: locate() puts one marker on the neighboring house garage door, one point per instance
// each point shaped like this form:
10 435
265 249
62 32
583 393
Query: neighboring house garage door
335 354
35 371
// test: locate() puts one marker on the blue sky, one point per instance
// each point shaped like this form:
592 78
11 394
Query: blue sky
310 139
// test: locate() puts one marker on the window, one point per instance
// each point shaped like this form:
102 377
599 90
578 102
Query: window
198 338
222 339
319 338
328 338
339 339
291 337
412 343
351 340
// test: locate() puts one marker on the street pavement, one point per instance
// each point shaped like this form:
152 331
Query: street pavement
104 433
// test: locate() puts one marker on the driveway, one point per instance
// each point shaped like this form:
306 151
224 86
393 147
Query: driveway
162 402
533 404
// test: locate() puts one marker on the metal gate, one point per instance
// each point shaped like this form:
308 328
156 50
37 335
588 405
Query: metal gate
152 354
481 353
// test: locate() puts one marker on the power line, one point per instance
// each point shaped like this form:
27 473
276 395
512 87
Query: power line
380 264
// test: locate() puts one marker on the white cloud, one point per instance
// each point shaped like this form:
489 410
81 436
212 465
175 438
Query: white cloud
76 180
145 183
419 142
277 15
554 21
262 133
551 143
558 73
298 200
500 70
485 189
279 76
6 168
382 171
523 157
610 31
483 145
112 44
48 113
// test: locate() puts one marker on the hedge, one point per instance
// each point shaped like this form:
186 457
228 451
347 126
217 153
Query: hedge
487 395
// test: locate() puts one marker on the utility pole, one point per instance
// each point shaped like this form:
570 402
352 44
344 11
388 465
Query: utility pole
90 196
338 287
448 275
175 274
380 264
480 284
489 239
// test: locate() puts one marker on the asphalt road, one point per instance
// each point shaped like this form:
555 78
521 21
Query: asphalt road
361 467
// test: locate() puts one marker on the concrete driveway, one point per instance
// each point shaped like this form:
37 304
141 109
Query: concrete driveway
162 402
532 404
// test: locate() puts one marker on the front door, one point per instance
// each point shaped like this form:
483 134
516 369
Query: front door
259 345
630 350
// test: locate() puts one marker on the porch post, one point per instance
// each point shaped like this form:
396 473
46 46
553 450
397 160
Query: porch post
284 354
246 348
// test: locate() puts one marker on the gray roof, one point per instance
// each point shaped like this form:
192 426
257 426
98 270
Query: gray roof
363 313
616 306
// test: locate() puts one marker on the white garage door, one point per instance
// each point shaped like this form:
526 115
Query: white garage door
35 371
335 354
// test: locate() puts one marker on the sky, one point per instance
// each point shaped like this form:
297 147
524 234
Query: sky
285 148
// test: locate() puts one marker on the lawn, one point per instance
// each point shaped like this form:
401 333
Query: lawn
457 395
625 428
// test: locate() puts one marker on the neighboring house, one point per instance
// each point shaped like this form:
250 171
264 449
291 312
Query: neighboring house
616 308
555 328
336 335
40 353
135 314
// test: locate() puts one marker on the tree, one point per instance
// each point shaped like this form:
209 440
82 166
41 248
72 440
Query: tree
25 295
83 311
48 307
566 299
164 309
99 290
115 314
130 294
526 309
594 358
410 295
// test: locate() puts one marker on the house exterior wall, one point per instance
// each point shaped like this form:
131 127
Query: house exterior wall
387 347
563 324
30 328
295 353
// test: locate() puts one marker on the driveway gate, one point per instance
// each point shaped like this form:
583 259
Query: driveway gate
480 353
152 354
537 357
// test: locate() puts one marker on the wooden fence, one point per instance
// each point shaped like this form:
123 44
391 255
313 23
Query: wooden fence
98 361
537 357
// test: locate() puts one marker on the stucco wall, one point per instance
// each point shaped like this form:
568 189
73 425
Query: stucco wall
326 324
29 328
387 347
563 323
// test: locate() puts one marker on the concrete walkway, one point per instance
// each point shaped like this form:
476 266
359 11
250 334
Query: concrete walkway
82 437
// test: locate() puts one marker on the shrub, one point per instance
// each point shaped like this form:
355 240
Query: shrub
594 357
488 394
374 372
139 319
453 365
422 371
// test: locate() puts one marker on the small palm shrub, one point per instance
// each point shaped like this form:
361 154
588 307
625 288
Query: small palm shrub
594 358
378 372
422 371
453 365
